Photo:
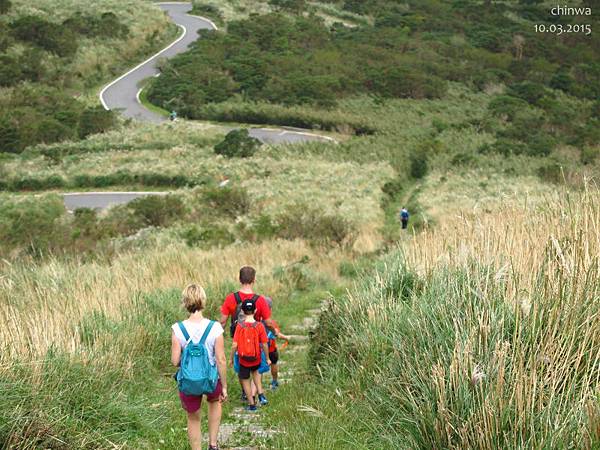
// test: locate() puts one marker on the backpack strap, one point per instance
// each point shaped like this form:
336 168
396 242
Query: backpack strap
186 335
238 298
205 335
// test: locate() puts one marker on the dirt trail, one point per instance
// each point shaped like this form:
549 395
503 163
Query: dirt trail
242 430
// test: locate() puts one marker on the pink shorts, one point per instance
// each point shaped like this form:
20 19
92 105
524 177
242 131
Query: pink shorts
192 403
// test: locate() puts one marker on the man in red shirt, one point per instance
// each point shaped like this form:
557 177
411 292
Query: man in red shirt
233 302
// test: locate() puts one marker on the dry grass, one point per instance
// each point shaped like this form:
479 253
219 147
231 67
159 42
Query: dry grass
41 306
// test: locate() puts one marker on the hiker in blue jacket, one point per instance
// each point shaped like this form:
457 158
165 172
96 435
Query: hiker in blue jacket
404 215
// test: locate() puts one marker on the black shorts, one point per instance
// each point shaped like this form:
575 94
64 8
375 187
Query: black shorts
245 371
274 357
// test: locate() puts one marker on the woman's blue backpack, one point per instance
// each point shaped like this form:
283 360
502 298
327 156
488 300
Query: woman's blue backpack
196 374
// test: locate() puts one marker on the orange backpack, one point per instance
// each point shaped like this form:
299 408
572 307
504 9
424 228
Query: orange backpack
248 345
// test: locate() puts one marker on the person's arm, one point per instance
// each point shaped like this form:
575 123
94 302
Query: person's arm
225 312
223 320
233 350
175 350
221 365
279 334
265 347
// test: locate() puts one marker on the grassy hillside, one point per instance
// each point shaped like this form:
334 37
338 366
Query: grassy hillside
477 328
480 333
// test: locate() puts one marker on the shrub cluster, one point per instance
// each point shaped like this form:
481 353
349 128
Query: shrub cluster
43 111
238 144
119 178
290 61
41 114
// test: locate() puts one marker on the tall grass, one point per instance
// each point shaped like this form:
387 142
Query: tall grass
482 333
41 306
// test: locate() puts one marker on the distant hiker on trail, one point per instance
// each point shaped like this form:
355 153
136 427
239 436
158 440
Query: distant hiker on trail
173 116
404 215
198 349
249 340
272 335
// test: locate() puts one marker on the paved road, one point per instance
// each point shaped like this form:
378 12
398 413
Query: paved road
101 200
123 95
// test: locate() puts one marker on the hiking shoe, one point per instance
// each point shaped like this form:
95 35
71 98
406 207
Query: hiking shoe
213 447
274 384
251 408
262 399
244 398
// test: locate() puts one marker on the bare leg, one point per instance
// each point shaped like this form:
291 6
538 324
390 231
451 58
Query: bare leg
193 429
257 378
247 386
274 372
214 421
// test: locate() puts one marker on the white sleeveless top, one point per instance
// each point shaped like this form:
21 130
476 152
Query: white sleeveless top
196 330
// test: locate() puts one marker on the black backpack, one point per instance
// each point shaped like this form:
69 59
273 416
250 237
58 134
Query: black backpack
239 315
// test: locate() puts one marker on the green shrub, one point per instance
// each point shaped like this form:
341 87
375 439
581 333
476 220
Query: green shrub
228 201
5 6
258 229
551 172
47 35
238 144
157 210
207 236
316 226
529 91
95 120
207 10
34 225
589 155
419 164
295 276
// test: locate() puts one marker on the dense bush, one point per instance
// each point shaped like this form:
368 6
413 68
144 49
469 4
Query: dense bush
419 164
5 6
228 201
292 62
238 144
34 225
316 226
95 120
206 236
157 210
47 35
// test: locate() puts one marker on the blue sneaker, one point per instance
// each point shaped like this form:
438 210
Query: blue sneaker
274 384
244 398
262 399
251 408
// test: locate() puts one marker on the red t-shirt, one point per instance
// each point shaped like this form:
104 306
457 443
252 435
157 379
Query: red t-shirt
263 312
262 339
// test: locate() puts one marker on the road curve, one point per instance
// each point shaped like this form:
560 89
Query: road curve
123 93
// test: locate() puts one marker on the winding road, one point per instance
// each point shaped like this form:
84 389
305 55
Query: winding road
123 95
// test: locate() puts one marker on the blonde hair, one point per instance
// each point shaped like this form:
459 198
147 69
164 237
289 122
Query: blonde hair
194 298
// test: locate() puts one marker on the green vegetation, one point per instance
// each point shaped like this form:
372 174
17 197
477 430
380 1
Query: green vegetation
52 52
461 353
238 144
457 333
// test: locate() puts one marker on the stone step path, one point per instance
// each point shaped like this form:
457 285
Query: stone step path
243 430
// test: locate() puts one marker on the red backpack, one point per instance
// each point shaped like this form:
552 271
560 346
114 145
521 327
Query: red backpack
247 339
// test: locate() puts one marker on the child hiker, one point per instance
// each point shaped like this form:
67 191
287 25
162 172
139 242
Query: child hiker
273 332
249 340
197 346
